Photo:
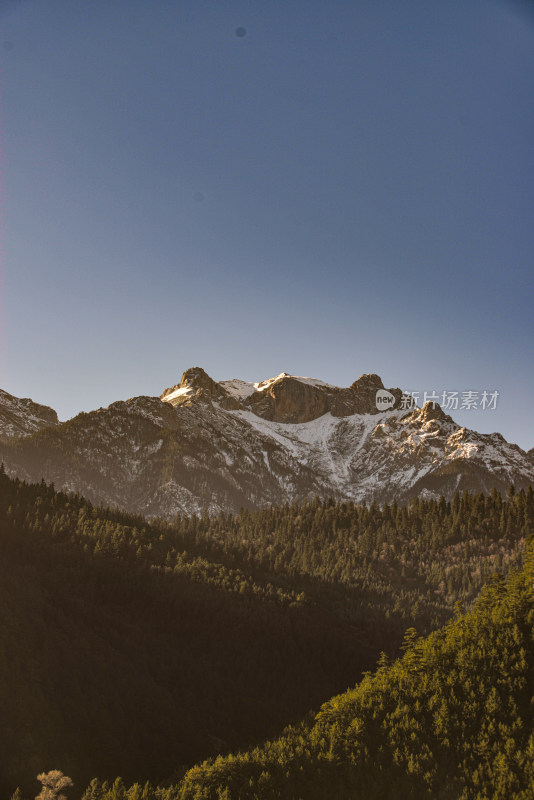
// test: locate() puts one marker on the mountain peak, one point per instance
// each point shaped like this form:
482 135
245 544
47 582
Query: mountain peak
368 381
198 378
194 384
432 410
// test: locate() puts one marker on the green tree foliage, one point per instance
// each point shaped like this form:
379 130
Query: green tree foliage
453 719
137 647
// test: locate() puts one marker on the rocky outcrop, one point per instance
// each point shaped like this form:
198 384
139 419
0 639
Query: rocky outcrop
194 385
292 399
289 400
285 398
430 412
363 393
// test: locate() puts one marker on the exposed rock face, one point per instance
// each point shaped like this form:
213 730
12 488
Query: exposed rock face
290 399
21 416
285 398
363 392
222 446
195 384
429 412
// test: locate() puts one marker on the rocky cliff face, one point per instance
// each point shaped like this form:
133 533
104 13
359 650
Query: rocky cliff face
296 400
285 398
231 444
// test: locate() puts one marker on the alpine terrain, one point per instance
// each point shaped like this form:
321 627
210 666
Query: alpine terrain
230 444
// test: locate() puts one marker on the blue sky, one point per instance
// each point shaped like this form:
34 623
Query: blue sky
348 188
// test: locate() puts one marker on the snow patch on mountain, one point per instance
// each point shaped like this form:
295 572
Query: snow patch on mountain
241 390
238 388
183 391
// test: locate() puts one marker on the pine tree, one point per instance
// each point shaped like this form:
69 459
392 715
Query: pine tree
93 791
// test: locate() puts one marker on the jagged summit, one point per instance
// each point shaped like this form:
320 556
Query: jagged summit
370 381
194 384
430 411
284 398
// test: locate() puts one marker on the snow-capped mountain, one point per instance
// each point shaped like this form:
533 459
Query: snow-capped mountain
223 445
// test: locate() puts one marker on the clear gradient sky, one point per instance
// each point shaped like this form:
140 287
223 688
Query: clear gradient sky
347 188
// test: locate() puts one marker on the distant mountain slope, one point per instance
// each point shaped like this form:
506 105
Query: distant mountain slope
21 417
222 446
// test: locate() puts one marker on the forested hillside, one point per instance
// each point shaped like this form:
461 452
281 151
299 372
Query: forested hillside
452 719
137 648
